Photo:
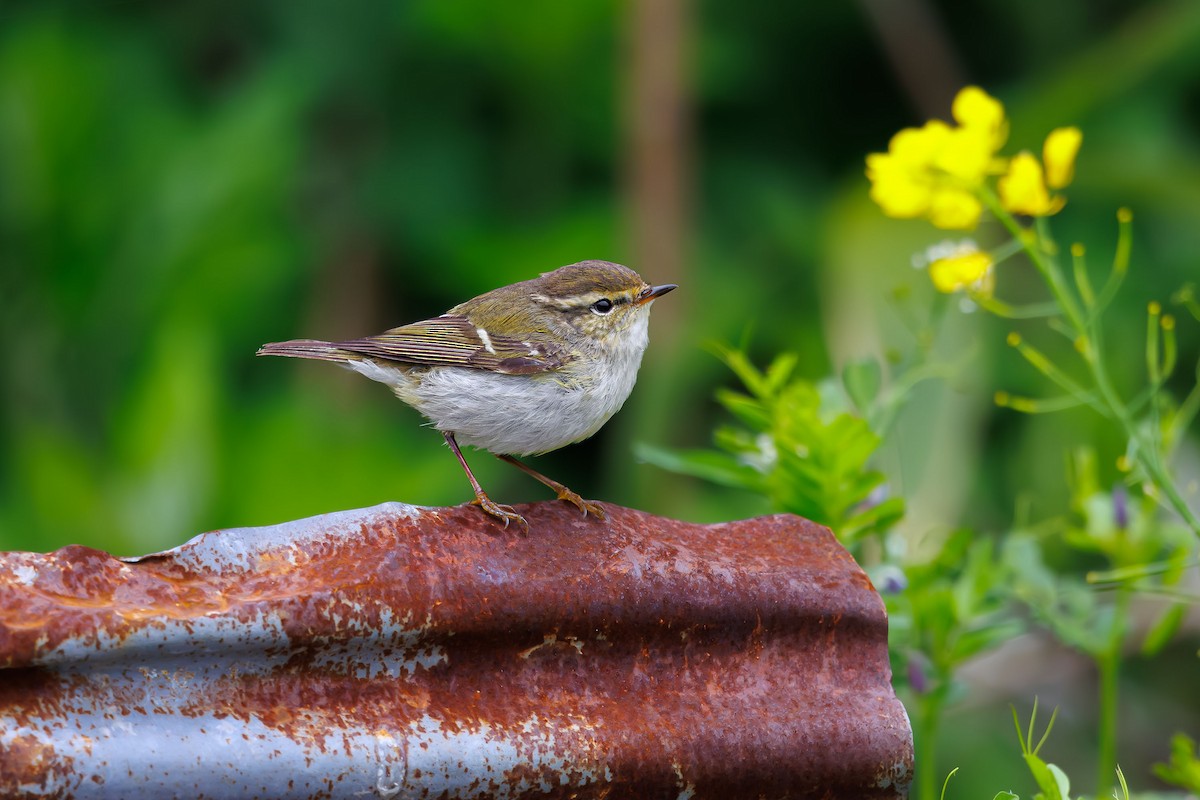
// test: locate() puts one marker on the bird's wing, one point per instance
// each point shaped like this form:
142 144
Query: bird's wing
453 340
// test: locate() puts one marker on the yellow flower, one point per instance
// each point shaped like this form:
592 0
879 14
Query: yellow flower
954 209
966 154
1058 154
976 109
900 183
967 270
1023 188
935 171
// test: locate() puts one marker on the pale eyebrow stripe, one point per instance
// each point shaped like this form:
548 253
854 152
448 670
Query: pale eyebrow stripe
583 301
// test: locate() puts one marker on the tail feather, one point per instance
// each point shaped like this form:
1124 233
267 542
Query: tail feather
307 348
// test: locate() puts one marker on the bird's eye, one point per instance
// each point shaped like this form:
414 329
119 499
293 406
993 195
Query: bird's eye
602 306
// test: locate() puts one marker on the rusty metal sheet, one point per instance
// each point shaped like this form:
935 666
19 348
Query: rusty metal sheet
399 651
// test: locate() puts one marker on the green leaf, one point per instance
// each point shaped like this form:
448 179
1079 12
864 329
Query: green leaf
1061 781
862 379
1183 770
876 518
1124 785
750 411
976 641
978 578
716 467
794 444
747 373
780 370
1047 778
1005 796
1163 630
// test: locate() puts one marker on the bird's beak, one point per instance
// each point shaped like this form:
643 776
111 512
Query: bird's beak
652 292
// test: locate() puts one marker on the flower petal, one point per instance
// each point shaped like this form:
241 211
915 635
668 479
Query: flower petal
917 147
1023 188
970 270
974 108
966 154
1059 155
896 188
954 209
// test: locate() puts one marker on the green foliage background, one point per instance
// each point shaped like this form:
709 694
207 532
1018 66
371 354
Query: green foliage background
182 182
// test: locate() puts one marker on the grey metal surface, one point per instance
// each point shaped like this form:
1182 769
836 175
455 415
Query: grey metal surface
399 651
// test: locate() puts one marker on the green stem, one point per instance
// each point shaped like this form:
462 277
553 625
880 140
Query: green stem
1109 664
1147 449
1107 759
1186 412
1002 309
1121 575
931 706
1087 330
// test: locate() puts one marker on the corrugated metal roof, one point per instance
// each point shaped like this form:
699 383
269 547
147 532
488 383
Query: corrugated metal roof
398 651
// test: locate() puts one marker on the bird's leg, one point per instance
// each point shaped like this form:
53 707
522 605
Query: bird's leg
497 510
586 506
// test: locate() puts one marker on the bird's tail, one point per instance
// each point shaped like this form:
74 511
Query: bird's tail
308 348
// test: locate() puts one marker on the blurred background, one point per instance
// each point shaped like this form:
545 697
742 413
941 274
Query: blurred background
182 182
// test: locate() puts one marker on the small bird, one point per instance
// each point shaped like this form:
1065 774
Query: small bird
521 370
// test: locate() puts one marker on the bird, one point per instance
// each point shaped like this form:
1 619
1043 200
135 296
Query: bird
521 370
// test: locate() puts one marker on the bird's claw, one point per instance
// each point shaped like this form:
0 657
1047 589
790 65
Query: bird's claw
504 513
586 506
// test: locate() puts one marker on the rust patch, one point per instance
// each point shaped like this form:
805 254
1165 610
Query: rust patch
429 652
29 763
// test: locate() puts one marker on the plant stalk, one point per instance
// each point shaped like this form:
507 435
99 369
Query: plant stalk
931 706
1087 329
1109 664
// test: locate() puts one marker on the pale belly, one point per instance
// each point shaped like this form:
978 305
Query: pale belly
520 414
511 414
514 414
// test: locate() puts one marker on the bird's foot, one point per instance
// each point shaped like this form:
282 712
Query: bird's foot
586 506
505 514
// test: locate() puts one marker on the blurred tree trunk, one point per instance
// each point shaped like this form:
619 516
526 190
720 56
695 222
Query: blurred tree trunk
657 141
657 147
921 54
